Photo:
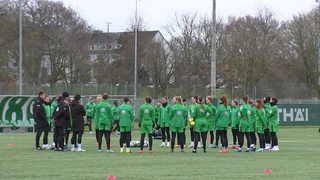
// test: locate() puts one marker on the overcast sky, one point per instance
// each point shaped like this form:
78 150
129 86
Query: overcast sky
158 13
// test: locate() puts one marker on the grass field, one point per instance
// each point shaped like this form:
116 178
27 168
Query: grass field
298 158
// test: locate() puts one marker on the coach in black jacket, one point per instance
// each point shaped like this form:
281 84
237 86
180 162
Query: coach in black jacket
77 112
39 116
60 116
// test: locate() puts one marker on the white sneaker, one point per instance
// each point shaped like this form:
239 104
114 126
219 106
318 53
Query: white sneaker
275 148
90 132
81 150
267 146
109 151
162 144
168 144
200 145
73 149
211 146
191 145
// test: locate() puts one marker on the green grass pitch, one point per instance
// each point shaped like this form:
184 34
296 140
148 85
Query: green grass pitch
298 158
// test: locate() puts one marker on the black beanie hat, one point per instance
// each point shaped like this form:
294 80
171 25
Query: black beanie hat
77 97
65 94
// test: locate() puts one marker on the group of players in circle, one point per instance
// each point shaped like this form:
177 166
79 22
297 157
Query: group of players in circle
251 118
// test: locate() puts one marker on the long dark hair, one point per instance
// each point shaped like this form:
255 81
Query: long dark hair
224 101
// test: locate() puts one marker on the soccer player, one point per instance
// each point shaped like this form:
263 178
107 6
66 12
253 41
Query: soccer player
47 128
39 115
77 112
252 126
126 120
89 113
146 122
95 117
60 117
235 118
222 120
163 121
274 124
211 121
201 124
244 124
115 112
105 120
267 107
177 116
260 124
191 113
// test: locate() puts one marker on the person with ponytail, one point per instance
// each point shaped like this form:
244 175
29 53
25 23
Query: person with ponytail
222 120
177 116
211 121
267 107
260 124
244 124
191 113
201 124
235 118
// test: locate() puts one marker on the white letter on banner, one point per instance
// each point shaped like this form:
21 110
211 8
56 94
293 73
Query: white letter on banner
299 115
288 115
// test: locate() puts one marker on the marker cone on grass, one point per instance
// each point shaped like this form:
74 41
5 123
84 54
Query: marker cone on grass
267 170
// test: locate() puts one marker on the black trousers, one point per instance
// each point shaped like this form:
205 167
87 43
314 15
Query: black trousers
267 135
253 138
235 135
262 140
67 132
217 139
89 122
211 137
106 134
40 129
97 135
241 139
75 136
191 134
142 141
59 131
274 138
125 137
197 139
224 139
180 140
164 131
46 131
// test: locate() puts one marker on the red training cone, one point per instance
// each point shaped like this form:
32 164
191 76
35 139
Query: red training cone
11 145
111 178
267 170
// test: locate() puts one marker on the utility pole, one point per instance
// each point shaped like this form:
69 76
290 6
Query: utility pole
318 1
135 54
213 51
109 40
20 47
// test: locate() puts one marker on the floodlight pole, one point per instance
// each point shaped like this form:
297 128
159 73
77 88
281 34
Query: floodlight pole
20 47
213 52
135 53
318 1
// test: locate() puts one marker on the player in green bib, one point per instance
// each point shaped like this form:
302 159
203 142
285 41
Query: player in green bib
222 122
191 114
244 124
105 121
47 106
178 114
211 121
95 117
89 113
164 120
260 124
267 106
235 118
274 124
146 122
126 120
252 126
201 124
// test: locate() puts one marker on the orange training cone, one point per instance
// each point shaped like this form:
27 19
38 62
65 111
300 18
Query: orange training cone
267 170
111 178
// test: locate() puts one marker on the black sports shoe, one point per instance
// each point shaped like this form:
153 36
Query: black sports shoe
194 151
204 151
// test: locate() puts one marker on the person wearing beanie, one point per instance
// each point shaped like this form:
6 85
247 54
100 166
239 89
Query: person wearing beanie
39 116
77 113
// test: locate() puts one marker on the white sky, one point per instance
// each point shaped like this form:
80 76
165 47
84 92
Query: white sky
159 13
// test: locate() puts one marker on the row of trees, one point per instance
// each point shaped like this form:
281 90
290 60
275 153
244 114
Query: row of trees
250 49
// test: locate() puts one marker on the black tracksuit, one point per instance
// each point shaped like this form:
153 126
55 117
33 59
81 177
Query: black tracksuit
39 116
77 112
61 116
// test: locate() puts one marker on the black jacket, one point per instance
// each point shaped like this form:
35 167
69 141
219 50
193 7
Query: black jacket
77 112
61 114
39 113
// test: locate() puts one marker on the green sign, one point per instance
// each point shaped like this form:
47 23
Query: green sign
299 114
